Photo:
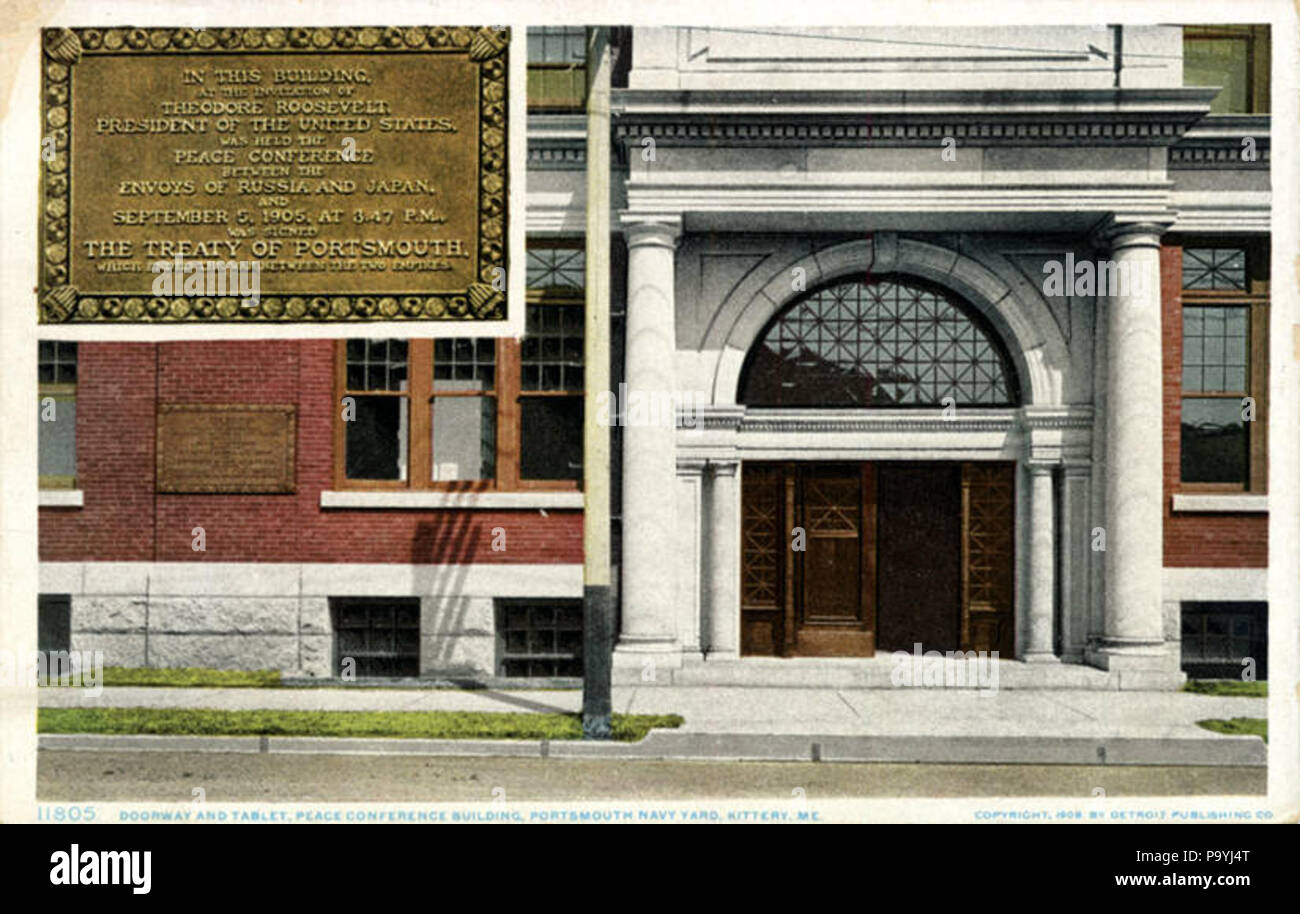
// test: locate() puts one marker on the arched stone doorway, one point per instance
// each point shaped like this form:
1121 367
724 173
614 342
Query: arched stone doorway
847 557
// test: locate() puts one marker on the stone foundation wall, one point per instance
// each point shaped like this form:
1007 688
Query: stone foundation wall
289 634
294 636
271 616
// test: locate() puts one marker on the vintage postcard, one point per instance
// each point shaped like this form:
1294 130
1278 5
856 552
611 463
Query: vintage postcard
459 412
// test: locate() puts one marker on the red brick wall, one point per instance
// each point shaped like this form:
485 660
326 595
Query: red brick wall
1196 540
123 520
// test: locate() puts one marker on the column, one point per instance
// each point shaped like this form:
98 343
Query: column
722 536
1042 564
1075 564
648 631
690 561
1131 625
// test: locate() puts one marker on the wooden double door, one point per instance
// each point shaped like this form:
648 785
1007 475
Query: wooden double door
844 559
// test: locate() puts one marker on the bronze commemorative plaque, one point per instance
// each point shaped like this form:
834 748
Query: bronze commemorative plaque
295 174
235 449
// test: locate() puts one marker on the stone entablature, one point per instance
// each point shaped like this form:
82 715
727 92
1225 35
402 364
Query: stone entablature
1092 117
1225 141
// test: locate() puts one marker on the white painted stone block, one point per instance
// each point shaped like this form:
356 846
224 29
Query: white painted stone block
108 614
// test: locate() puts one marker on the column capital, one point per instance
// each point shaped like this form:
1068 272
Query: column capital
691 466
641 229
1116 233
1039 466
723 467
1077 467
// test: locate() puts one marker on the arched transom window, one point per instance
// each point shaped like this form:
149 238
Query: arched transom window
882 341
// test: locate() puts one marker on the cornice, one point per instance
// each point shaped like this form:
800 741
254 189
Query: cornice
1060 417
796 425
557 141
808 421
880 420
557 156
1130 117
1218 143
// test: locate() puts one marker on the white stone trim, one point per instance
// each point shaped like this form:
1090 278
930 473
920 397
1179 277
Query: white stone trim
443 580
444 500
1213 211
1164 114
1020 316
284 579
61 498
751 193
60 577
1231 504
557 128
557 213
1213 584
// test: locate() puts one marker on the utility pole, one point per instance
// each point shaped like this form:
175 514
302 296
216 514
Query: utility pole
597 594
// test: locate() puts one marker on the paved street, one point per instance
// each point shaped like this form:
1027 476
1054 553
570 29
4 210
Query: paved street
228 777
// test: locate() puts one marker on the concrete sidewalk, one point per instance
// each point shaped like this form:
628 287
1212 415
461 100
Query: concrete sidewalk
751 722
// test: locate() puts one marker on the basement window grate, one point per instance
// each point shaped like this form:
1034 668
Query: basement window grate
540 639
381 635
1216 637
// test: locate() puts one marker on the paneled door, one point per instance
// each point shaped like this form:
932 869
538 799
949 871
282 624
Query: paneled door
834 613
839 559
988 498
808 559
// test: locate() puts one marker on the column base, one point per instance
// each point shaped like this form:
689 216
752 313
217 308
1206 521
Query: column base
1109 654
639 651
716 656
1141 664
1040 657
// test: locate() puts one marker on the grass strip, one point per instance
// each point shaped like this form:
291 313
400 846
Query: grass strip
184 677
1227 687
1238 726
399 724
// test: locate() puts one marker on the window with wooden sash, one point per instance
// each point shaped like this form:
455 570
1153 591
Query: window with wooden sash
1223 408
1233 57
471 414
57 414
557 68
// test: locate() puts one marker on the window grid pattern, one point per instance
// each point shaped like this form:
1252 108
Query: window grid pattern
465 363
556 268
541 640
879 343
1216 637
382 637
57 362
377 365
552 348
557 44
1216 346
1214 269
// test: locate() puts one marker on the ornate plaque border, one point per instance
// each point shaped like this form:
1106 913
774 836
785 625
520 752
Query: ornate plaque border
289 486
60 302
